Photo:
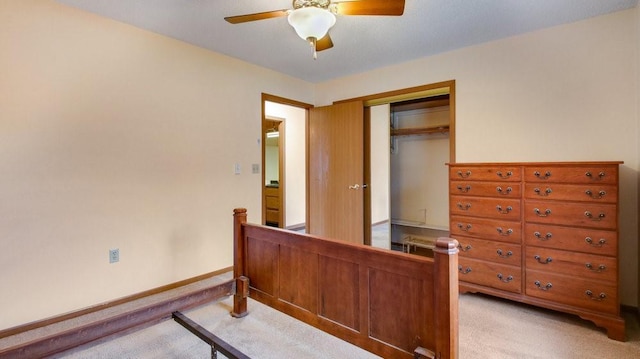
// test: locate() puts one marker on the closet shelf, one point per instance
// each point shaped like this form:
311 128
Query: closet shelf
416 224
419 131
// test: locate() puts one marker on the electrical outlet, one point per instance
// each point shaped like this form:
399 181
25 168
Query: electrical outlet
114 255
255 168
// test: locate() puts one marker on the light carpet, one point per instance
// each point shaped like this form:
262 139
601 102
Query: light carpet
489 328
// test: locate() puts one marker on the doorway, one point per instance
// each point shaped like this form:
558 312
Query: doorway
284 162
411 137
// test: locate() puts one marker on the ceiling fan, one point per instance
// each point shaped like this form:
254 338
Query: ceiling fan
312 19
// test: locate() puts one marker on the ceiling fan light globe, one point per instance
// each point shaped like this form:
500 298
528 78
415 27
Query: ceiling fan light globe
311 22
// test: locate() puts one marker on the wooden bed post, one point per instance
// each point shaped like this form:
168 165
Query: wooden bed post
446 297
239 264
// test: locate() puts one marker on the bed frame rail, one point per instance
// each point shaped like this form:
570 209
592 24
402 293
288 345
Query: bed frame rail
217 344
393 304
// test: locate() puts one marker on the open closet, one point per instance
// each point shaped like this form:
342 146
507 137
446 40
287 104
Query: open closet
418 176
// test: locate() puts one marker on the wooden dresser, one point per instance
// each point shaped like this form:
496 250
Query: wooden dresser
272 206
540 233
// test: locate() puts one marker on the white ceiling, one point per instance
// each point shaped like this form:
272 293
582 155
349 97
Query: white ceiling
361 43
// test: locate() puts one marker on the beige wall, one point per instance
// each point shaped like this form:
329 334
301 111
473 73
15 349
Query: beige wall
567 93
637 96
114 137
380 163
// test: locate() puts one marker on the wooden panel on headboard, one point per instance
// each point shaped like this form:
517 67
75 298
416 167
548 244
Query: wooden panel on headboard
263 270
298 278
397 312
338 288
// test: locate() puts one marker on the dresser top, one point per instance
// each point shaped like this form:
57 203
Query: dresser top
575 163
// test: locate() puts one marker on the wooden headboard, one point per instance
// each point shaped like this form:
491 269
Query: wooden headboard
392 304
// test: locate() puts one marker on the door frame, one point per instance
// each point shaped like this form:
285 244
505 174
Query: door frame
289 102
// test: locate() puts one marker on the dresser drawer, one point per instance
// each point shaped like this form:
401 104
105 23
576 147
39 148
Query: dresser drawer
572 174
569 192
271 191
505 231
572 239
497 252
499 276
593 215
272 216
485 173
581 265
501 208
272 202
585 293
485 189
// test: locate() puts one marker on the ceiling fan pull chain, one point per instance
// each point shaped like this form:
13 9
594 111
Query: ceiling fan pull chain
313 41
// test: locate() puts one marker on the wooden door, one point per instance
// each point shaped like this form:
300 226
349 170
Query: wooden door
335 205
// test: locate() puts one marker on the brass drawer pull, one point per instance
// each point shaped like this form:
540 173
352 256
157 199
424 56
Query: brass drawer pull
546 261
591 217
540 214
505 192
503 233
545 288
506 211
464 271
464 249
539 175
464 228
506 280
539 192
599 196
600 268
540 237
507 175
464 207
464 189
590 175
599 244
465 174
599 298
509 254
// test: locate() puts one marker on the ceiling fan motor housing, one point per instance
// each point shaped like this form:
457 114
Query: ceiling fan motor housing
323 4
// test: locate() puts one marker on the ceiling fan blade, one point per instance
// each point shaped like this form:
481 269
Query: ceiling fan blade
324 43
371 7
257 16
